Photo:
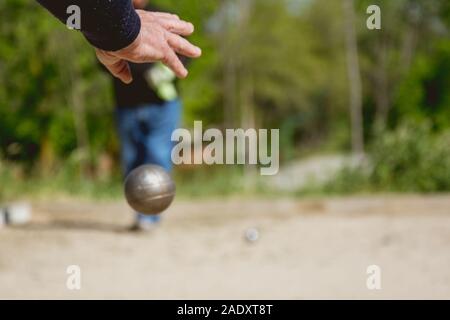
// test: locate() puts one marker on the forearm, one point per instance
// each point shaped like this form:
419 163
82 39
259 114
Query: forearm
107 24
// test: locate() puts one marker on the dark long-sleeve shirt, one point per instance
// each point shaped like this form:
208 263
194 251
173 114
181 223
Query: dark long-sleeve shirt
140 92
107 24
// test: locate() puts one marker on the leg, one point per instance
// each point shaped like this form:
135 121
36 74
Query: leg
129 139
132 134
156 124
163 121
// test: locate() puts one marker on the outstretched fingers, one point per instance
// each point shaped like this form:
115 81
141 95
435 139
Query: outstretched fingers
183 46
165 15
173 62
177 26
177 44
160 39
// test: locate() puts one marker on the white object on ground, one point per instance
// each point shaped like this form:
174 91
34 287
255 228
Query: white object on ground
2 217
18 214
252 235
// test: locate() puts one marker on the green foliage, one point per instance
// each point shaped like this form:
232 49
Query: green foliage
424 92
265 63
42 82
65 181
347 181
411 158
210 181
201 90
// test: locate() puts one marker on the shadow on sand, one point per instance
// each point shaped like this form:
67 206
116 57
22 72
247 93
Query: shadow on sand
61 225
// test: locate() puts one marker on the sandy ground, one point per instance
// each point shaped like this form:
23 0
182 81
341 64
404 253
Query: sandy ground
306 249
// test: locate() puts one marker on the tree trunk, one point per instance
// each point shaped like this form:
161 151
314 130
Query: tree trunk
81 130
354 76
382 100
246 89
229 92
77 102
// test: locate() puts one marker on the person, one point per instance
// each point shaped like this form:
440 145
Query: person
121 34
129 42
147 112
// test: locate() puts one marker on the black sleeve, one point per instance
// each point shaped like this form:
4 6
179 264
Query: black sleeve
107 24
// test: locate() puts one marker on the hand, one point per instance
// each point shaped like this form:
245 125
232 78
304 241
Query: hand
160 39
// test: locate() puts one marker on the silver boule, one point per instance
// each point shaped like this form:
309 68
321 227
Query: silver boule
149 189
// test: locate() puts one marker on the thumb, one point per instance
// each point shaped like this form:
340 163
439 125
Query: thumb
116 66
121 69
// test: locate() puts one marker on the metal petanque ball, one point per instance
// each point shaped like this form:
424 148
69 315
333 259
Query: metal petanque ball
149 189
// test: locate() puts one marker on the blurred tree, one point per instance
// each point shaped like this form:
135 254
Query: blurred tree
266 63
43 82
408 29
354 78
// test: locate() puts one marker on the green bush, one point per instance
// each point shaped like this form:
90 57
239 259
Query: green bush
411 158
347 181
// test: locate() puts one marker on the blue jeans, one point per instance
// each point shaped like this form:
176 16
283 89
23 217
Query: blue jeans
145 137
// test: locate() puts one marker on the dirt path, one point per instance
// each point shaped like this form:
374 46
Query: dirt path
307 249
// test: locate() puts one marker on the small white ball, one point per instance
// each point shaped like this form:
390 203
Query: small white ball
252 235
